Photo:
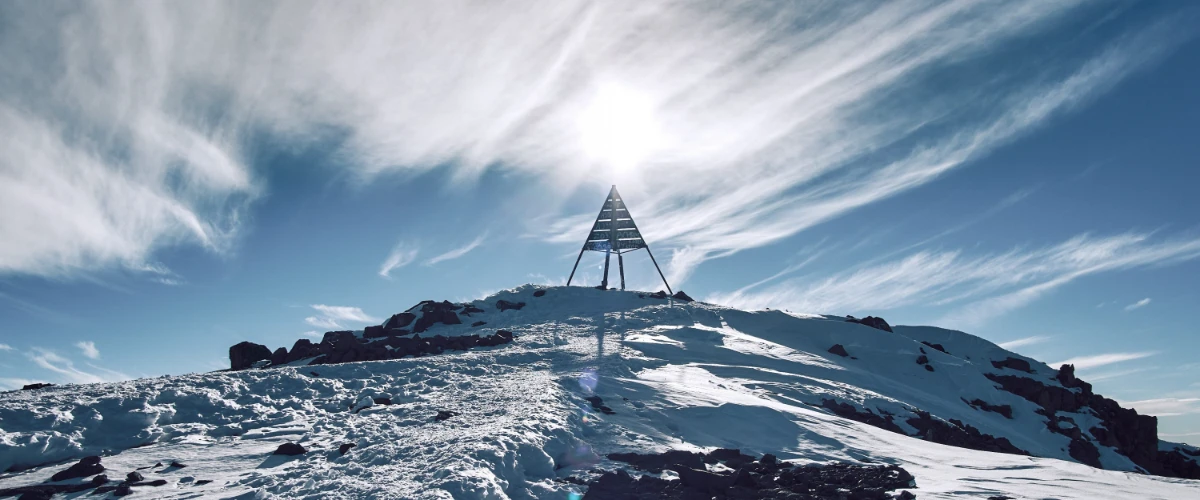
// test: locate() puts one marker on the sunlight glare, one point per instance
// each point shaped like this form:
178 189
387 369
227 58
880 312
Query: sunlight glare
618 127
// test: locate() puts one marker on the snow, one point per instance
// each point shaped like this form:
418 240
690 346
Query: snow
678 376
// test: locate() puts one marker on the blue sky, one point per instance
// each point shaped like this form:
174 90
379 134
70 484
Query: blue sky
180 178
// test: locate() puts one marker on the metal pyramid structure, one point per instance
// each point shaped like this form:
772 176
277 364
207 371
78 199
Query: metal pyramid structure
615 231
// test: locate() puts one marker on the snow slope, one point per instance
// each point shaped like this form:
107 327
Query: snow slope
677 375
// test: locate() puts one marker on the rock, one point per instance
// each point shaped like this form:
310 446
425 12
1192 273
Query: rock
123 489
906 495
839 350
290 449
469 309
539 293
980 404
656 463
177 464
100 479
279 357
1085 452
245 354
505 305
134 477
40 385
203 482
922 360
658 295
928 368
505 334
400 320
341 340
935 346
302 349
382 401
871 321
1014 364
36 495
444 415
682 296
345 447
478 324
375 331
87 466
598 405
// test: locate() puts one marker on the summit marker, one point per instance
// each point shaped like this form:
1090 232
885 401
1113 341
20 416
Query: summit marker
615 231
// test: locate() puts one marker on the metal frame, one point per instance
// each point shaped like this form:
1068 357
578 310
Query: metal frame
611 204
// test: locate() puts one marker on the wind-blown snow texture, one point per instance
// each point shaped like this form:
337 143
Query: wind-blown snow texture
676 375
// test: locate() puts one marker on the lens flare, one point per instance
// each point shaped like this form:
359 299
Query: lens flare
588 380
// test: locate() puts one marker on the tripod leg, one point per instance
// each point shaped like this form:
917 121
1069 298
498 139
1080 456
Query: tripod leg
604 283
621 264
576 267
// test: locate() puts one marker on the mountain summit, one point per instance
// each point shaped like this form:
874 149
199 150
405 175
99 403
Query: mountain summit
570 392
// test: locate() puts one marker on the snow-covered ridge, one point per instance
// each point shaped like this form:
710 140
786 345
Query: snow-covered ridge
674 375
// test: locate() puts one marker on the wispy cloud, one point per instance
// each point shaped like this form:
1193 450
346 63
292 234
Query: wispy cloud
402 255
458 252
1022 342
1096 360
67 371
5 347
1138 305
107 136
10 383
332 316
976 287
1166 407
89 349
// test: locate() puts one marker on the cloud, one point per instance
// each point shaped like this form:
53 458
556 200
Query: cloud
402 255
1093 361
1138 305
978 287
1166 407
458 252
5 347
67 371
130 130
330 316
1022 342
312 333
8 383
89 349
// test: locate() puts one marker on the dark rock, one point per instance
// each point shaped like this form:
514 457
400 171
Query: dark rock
865 416
341 340
100 479
871 321
203 482
279 357
400 320
505 305
658 295
36 495
478 324
472 310
382 401
935 346
906 495
134 477
922 360
768 459
1014 364
123 489
656 463
375 331
928 368
87 466
980 404
598 405
245 354
956 433
505 334
346 447
444 415
40 385
539 293
682 296
177 464
839 350
290 449
303 348
1085 452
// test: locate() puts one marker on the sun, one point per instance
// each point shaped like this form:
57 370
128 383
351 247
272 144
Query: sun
618 127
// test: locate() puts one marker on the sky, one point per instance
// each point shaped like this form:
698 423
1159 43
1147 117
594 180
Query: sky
179 177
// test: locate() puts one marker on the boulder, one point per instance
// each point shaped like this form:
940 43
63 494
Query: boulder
100 479
279 357
839 350
245 354
374 332
303 348
505 305
871 321
345 447
658 295
87 466
290 449
40 385
922 360
682 296
935 346
444 415
469 309
134 477
400 320
539 293
123 489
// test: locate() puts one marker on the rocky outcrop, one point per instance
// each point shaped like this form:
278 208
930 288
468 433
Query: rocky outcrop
504 305
744 477
539 293
871 321
87 466
1013 364
682 296
868 417
245 354
40 385
954 432
980 404
935 346
290 449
